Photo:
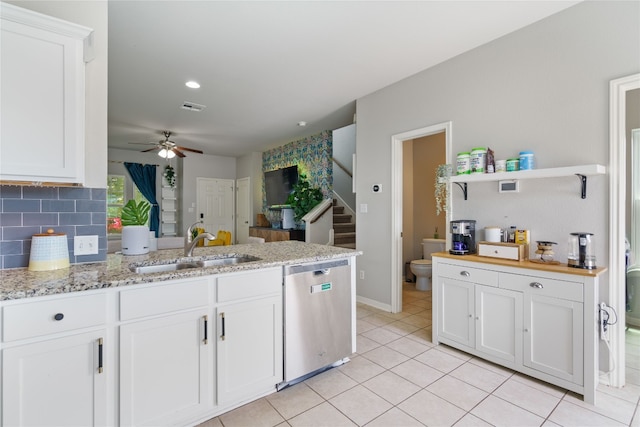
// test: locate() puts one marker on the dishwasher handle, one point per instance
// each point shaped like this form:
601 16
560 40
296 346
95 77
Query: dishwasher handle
317 267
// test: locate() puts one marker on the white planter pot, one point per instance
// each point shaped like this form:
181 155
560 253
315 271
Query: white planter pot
135 240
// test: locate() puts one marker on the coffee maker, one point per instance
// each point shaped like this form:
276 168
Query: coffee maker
581 251
463 237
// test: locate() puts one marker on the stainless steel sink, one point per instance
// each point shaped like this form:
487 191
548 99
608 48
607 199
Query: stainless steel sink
214 262
160 268
183 265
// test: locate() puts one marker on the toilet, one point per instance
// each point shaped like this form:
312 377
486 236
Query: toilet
422 267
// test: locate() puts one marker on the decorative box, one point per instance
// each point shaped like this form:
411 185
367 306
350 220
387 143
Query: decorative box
513 251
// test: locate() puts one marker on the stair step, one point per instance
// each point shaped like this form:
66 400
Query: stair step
338 209
346 227
339 238
341 218
346 245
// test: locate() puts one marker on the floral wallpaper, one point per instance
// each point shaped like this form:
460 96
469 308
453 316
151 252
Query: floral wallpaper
313 157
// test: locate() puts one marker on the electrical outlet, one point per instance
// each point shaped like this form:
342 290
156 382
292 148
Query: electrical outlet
85 245
603 320
361 274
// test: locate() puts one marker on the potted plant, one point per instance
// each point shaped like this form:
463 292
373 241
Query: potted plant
135 232
303 198
170 176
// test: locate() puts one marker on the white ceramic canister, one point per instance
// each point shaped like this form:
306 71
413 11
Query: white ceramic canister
49 251
492 234
462 163
526 160
478 160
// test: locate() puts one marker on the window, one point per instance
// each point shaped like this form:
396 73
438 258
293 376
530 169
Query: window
116 197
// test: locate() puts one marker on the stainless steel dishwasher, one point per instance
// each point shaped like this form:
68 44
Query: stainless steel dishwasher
317 317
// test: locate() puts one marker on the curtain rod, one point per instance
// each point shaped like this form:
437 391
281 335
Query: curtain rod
118 161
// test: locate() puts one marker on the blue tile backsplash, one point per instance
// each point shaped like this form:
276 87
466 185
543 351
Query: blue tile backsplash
25 211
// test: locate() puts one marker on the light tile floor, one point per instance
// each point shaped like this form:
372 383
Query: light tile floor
399 378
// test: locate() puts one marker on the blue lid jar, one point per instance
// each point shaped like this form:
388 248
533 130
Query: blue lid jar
526 160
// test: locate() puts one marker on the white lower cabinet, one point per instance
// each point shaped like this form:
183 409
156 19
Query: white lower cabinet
249 335
55 382
533 321
169 353
249 349
484 318
56 361
165 372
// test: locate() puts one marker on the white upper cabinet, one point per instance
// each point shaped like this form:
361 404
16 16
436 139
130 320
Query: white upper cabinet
42 102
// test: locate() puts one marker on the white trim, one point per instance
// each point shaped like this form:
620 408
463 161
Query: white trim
396 202
617 194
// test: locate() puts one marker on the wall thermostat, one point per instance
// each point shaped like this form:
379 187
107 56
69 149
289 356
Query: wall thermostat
376 188
508 186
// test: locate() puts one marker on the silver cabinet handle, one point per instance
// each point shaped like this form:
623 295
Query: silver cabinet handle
465 273
536 285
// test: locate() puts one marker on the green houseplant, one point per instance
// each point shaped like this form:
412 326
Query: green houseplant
135 233
303 198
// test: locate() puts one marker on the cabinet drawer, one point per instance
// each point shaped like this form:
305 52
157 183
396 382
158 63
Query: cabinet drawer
53 316
469 274
162 299
249 285
542 286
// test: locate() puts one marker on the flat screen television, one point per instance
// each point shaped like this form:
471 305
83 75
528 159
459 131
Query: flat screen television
278 184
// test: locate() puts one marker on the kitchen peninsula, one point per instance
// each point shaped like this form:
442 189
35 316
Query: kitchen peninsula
101 344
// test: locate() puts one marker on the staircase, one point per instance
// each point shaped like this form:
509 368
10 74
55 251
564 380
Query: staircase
344 229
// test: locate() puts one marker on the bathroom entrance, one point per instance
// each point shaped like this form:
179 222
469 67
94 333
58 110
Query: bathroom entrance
415 156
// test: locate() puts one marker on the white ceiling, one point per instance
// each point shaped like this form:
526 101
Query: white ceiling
264 66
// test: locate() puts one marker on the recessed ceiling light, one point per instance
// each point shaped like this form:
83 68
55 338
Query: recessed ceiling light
302 124
193 85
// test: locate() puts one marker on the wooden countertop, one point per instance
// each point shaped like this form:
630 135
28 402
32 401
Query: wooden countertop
557 268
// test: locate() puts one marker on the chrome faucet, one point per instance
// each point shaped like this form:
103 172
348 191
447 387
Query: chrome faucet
190 242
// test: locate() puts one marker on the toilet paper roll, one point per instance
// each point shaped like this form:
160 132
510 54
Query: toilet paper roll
492 234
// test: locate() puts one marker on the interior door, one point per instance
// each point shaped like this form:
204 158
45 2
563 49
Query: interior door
215 204
243 209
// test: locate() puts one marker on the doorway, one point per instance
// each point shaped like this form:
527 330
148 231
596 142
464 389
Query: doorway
618 90
214 202
397 142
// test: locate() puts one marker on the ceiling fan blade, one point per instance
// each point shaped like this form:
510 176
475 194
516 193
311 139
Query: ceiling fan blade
150 149
190 149
178 152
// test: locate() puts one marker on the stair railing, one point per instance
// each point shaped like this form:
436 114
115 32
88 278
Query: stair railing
319 223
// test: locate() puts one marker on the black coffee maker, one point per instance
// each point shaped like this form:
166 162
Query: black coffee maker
463 237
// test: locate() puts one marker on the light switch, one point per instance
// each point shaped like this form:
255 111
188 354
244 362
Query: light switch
85 245
364 208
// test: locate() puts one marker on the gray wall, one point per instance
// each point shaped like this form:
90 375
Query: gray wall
543 88
250 166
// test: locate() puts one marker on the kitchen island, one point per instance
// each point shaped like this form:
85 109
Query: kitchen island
100 344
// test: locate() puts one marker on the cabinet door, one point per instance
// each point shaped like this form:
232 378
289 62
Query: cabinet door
553 336
249 349
56 382
164 369
456 308
499 323
42 104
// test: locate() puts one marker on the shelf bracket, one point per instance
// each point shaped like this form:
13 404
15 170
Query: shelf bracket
583 183
463 187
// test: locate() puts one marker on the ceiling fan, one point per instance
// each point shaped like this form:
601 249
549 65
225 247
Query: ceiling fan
169 149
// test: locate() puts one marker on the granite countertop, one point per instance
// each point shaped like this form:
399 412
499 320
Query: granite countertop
552 268
115 272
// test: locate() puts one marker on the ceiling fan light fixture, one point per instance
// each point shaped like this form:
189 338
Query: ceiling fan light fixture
166 154
192 84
